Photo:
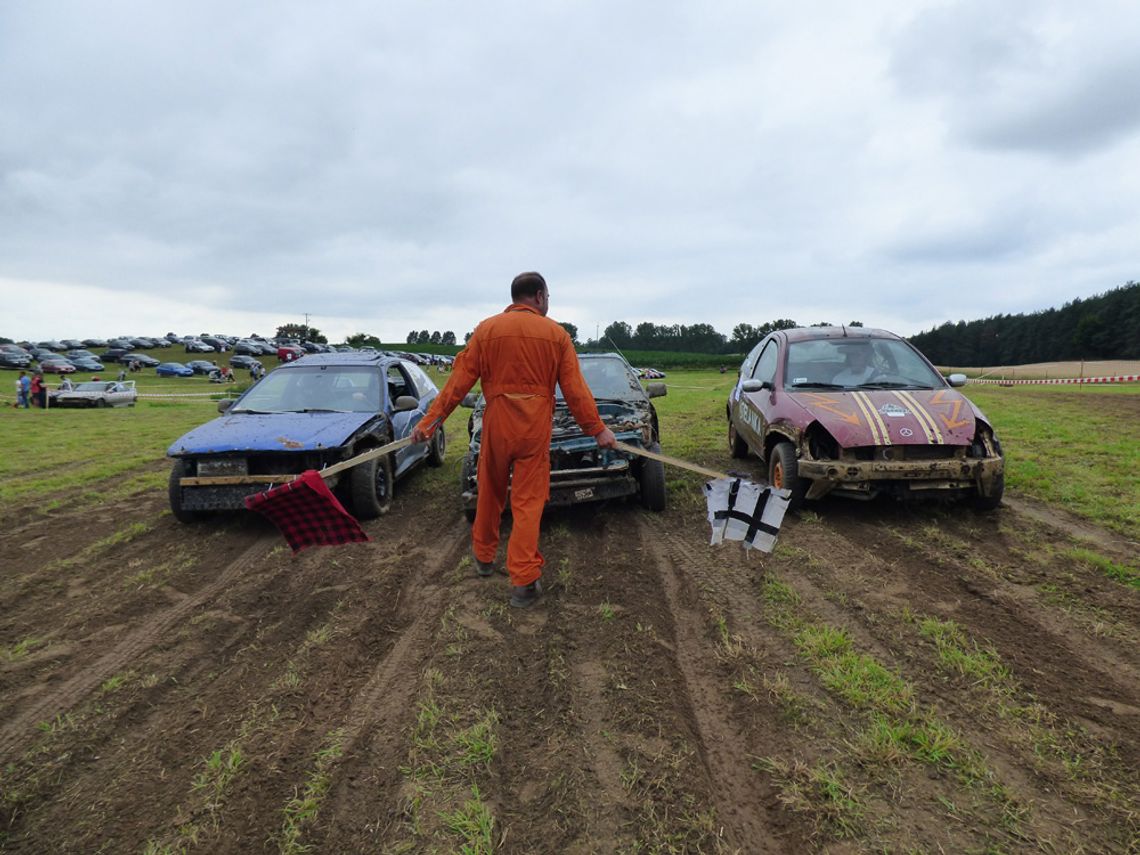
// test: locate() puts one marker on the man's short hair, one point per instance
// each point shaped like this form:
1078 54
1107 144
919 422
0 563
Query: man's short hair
527 285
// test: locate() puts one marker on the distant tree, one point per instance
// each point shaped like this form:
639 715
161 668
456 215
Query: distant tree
571 329
362 339
467 337
423 337
618 334
435 337
301 332
412 338
855 324
447 338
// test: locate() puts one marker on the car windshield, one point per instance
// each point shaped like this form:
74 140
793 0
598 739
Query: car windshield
857 363
342 388
608 377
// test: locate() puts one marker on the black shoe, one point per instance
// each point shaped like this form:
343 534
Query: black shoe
525 596
483 568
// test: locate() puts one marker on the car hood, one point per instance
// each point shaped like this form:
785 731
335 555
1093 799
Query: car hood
892 416
271 432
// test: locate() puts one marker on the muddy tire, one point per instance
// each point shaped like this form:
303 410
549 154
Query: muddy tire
177 472
101 403
371 486
466 474
783 473
990 502
737 447
651 480
438 448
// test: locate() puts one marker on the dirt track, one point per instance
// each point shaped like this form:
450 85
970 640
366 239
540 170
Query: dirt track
200 688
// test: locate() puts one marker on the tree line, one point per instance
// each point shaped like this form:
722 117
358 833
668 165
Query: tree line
1105 326
695 338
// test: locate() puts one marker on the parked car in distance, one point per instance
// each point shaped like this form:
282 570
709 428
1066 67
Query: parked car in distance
196 345
289 352
247 347
143 359
201 366
97 393
579 470
94 342
173 369
56 366
89 363
243 362
306 415
8 359
860 412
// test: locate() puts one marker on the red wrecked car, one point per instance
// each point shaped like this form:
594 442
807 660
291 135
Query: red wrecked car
860 412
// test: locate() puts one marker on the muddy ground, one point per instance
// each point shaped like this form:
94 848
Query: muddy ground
198 688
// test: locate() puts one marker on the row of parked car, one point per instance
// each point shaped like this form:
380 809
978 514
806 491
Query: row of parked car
830 410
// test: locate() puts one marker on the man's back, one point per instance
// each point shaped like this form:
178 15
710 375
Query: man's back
519 351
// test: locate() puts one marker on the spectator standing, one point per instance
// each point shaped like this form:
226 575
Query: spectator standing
37 389
65 385
23 390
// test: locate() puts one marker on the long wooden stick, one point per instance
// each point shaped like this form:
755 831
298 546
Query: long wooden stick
672 461
363 457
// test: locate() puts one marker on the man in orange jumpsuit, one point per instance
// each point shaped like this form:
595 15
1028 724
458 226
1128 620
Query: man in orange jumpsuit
520 355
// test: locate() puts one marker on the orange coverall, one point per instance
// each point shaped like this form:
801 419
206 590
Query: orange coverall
519 355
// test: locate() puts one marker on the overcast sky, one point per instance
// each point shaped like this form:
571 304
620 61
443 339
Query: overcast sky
383 167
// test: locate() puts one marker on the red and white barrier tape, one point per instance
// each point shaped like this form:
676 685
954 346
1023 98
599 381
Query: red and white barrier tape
1120 378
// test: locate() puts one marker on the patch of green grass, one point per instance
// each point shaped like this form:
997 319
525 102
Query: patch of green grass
958 654
302 810
606 610
1126 575
472 824
478 742
821 792
218 771
19 650
1067 450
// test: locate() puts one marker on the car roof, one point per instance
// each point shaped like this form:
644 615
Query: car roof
357 358
817 333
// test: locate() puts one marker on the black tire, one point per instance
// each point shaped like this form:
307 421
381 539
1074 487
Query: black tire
737 447
177 472
651 480
371 486
101 403
783 472
465 476
990 502
438 448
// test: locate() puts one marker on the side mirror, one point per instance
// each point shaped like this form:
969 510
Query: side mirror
656 390
225 404
957 380
755 385
404 403
469 400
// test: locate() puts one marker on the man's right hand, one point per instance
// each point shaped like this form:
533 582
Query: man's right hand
606 439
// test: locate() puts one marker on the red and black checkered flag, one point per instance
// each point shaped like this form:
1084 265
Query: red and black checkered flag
307 513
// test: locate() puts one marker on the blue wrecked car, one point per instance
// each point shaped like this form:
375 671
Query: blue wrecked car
308 414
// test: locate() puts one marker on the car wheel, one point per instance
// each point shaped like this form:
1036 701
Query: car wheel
783 473
737 447
651 479
371 486
990 502
177 472
438 447
466 479
101 403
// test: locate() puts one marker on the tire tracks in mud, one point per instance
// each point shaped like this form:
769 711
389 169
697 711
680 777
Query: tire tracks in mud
129 649
1009 614
744 803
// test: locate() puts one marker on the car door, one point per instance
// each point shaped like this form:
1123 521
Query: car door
751 415
399 383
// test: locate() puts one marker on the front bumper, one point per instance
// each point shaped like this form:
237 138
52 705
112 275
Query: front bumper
868 477
609 475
